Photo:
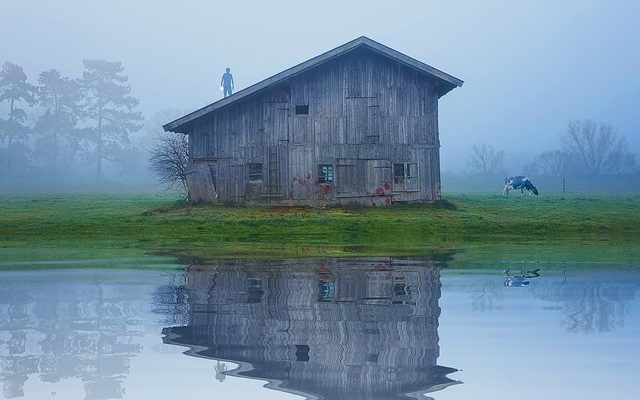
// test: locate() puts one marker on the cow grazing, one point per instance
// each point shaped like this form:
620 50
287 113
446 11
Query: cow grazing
519 182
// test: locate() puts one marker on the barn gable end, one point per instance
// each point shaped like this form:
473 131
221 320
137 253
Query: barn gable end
360 126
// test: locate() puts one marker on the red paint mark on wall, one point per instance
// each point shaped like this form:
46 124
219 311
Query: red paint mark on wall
382 189
304 181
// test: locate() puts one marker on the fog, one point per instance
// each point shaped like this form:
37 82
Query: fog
530 67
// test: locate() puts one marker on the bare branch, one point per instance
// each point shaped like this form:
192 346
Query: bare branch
486 160
169 160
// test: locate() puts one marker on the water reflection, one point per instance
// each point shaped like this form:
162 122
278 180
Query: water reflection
333 329
336 328
598 302
589 301
56 330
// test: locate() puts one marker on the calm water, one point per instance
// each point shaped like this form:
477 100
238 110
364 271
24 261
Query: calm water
320 329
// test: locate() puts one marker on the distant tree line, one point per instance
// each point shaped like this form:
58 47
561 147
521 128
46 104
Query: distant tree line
588 148
59 125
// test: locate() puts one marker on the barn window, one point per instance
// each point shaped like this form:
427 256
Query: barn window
254 290
255 172
372 357
398 173
302 352
325 173
302 110
405 177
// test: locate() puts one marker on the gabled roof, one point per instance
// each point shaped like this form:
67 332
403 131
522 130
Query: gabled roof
450 82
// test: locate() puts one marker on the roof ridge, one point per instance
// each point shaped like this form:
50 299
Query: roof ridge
311 63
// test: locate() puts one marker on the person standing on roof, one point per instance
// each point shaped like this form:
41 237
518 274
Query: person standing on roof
227 83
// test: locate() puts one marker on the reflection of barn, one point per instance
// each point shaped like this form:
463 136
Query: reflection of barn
336 330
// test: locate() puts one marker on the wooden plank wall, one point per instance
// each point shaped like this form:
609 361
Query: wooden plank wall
362 107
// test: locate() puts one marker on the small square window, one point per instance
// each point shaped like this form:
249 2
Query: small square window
325 173
302 352
255 172
302 110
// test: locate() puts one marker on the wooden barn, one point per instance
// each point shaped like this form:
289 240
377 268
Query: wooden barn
357 124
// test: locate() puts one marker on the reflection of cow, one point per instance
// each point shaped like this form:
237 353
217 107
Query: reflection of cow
521 279
519 182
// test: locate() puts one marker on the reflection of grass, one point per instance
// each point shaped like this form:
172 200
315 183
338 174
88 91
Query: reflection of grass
484 227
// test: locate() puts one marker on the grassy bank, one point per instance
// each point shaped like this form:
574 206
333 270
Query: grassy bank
479 226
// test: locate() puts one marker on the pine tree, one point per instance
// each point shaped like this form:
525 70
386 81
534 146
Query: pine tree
110 109
15 89
59 96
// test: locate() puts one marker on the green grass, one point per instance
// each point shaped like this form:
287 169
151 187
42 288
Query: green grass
473 227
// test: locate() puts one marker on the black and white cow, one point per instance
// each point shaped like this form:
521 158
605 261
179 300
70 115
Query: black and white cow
518 182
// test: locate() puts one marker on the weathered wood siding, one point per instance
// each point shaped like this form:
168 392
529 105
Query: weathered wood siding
365 113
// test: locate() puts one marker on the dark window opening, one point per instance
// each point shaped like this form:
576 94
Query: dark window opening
302 352
254 290
398 173
327 291
401 289
372 358
255 172
405 176
325 173
302 110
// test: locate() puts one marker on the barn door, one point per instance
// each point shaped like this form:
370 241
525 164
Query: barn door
363 120
202 181
276 123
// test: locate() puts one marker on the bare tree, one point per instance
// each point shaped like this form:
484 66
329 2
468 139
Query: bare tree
169 160
597 149
553 163
486 160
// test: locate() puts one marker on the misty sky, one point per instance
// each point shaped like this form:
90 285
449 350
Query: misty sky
529 66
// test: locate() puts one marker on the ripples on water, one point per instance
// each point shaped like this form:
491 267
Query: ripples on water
318 328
